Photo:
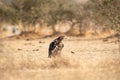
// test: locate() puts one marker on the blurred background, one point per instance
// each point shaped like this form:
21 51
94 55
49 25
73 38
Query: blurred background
92 39
41 18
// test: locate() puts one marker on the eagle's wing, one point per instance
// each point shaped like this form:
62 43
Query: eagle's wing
51 47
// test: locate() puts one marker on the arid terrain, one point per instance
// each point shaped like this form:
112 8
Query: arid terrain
91 45
81 59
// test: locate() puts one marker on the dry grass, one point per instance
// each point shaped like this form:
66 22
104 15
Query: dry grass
81 60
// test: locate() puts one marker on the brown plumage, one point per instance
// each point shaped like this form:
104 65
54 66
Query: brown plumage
56 47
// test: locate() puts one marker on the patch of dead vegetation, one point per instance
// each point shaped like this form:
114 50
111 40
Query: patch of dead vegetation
80 59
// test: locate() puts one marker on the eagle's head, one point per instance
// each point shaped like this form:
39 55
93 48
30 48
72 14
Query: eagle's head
59 39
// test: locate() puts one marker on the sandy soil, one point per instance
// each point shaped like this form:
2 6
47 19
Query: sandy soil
81 60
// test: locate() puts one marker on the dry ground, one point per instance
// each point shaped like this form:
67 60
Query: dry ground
81 60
